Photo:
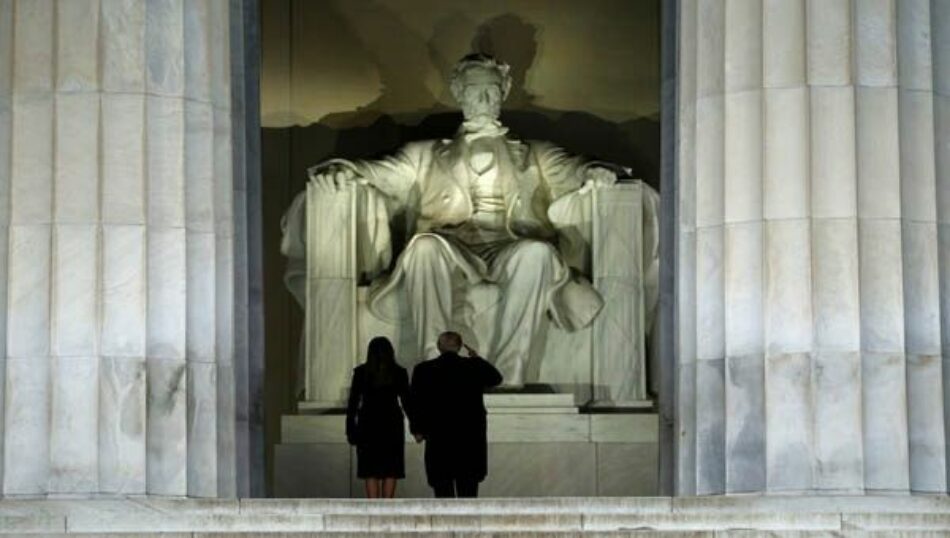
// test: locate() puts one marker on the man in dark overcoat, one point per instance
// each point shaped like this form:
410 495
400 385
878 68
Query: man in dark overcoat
450 416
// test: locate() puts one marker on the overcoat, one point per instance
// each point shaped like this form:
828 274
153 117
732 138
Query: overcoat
449 411
374 423
428 184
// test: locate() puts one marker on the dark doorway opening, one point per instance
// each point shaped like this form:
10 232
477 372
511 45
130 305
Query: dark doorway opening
380 85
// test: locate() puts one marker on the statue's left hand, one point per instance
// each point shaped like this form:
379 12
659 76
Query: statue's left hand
331 178
598 177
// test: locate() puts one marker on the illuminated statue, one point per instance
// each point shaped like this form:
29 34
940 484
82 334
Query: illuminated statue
482 208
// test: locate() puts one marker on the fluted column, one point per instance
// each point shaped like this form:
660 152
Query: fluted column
6 120
117 258
812 281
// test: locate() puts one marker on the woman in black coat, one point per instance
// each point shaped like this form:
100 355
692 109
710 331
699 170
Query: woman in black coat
374 419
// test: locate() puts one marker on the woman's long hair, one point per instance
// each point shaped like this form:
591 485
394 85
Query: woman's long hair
381 362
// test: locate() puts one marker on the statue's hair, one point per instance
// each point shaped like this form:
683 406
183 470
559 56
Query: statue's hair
449 341
478 61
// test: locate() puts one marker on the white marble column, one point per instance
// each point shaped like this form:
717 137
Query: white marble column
117 258
813 190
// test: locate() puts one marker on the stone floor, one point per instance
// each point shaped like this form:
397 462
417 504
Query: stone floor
697 516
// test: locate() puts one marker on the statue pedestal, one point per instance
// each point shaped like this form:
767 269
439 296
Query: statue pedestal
540 444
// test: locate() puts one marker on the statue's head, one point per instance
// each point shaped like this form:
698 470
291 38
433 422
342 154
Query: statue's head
479 84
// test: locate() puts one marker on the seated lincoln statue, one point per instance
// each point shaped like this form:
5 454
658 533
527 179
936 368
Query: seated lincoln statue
482 207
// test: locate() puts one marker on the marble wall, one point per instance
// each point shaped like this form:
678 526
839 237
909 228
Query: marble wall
117 264
813 163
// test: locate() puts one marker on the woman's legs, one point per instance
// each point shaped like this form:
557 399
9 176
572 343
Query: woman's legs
377 488
389 487
373 487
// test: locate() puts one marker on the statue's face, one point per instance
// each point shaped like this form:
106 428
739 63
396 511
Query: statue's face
481 95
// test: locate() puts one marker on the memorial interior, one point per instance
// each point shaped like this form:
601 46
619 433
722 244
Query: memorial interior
358 81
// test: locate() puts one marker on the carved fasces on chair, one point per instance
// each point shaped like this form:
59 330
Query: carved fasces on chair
611 233
330 325
619 273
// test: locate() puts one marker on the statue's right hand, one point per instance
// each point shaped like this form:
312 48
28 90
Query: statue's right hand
331 178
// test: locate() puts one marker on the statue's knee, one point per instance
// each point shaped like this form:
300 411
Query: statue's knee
536 253
424 248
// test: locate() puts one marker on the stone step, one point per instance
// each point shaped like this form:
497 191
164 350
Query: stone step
495 404
478 524
551 400
518 534
505 424
532 410
803 516
514 534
